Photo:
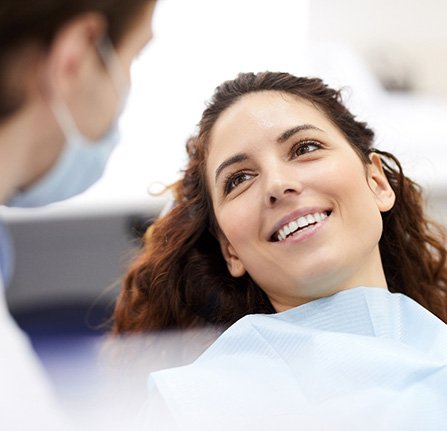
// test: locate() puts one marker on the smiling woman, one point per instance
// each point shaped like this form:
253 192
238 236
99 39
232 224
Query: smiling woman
285 200
289 225
281 182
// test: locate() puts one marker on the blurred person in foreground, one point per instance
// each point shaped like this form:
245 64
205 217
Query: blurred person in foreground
65 75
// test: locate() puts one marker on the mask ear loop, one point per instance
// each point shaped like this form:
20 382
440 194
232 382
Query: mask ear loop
64 118
114 67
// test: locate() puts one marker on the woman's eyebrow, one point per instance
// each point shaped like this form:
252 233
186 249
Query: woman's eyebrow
230 161
292 131
281 139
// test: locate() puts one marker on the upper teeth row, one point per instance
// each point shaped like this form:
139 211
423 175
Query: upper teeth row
300 223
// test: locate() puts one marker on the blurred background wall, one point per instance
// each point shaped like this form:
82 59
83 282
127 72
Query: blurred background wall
403 42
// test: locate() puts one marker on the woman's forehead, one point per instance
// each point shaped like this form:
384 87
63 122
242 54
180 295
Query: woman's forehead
263 116
266 109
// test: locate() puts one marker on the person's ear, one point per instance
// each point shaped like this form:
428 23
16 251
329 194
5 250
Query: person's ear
70 52
234 264
379 184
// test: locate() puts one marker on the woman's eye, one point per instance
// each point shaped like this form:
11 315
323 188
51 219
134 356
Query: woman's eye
304 147
235 180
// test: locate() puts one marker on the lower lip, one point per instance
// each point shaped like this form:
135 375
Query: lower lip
305 234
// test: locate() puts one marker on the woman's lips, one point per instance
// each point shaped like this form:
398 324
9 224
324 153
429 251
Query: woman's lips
298 224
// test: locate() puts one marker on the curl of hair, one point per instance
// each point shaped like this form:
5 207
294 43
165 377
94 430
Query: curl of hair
412 246
180 279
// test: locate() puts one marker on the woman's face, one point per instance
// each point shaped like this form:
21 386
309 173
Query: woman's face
297 208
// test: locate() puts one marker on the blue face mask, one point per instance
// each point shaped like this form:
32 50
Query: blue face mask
82 161
6 257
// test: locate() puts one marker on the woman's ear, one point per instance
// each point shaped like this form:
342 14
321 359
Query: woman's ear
379 185
234 264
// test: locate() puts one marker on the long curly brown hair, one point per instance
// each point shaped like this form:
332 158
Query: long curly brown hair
180 279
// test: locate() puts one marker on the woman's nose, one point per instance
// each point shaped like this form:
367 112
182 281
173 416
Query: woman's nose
281 185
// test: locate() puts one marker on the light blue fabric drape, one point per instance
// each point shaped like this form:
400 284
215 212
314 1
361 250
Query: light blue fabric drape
361 359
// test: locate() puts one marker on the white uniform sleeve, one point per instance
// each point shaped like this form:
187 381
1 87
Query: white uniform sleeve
26 399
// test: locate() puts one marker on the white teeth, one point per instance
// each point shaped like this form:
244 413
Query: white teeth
301 222
310 219
293 225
